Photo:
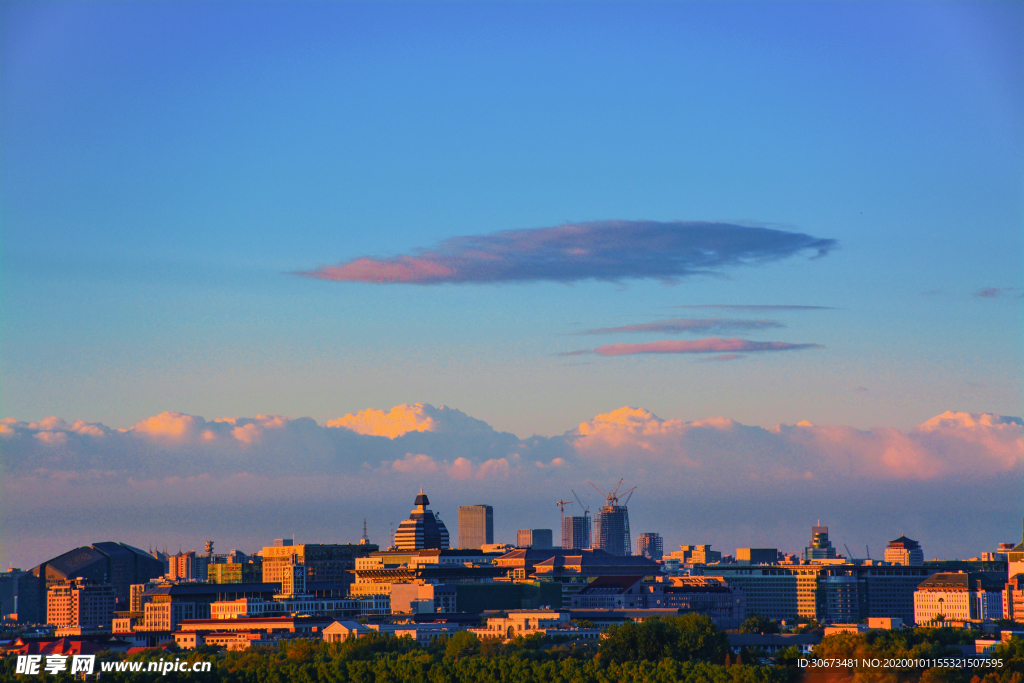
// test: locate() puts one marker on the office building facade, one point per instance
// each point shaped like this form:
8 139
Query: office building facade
611 530
476 526
820 547
576 532
650 545
541 539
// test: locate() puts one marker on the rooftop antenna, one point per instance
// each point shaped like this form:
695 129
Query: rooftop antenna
366 538
867 550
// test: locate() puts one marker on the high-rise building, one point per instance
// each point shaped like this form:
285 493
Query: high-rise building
820 547
576 532
423 529
904 551
650 545
476 526
539 539
611 530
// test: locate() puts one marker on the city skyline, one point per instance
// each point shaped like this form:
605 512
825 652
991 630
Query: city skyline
270 269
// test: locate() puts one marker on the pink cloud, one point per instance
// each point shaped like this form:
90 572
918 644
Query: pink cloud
416 463
601 250
170 425
703 325
710 345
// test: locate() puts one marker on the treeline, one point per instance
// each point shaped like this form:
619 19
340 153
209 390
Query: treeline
687 648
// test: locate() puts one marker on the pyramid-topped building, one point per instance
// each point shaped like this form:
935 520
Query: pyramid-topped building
423 529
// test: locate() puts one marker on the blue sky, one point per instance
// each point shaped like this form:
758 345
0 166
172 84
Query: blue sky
167 169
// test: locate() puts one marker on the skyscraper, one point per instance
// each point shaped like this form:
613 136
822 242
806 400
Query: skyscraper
423 529
576 532
650 545
476 526
611 530
820 547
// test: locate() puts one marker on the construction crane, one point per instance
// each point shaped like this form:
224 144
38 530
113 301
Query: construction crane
613 497
561 508
586 508
849 555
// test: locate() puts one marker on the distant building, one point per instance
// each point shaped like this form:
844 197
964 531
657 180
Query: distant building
118 564
696 554
757 555
959 596
80 602
423 529
650 545
323 562
611 530
9 592
724 604
904 551
1013 599
541 539
476 526
576 532
820 547
235 572
186 567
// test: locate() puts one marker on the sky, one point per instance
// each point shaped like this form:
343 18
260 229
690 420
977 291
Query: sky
762 260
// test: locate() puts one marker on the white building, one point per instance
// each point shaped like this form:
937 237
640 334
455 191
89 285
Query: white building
530 622
957 596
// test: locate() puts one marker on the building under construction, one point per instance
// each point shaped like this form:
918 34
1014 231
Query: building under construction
611 526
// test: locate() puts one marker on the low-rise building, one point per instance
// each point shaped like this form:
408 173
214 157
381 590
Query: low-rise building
522 623
957 596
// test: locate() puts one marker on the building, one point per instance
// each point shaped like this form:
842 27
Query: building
166 605
322 562
820 547
576 532
650 545
117 564
573 571
905 552
757 555
1013 599
957 596
80 602
235 572
725 604
341 631
541 539
9 592
186 567
423 529
522 623
696 554
476 526
611 529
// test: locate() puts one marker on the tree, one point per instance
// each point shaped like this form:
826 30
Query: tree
689 637
755 623
462 644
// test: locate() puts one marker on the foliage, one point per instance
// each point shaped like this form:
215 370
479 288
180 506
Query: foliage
684 638
755 623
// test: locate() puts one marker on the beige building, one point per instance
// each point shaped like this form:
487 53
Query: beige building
323 563
341 631
530 622
959 596
80 602
696 554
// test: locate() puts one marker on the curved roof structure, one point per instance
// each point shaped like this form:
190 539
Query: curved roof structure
423 529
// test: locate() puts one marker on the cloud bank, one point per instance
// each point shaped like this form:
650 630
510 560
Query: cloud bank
711 345
600 250
690 325
249 479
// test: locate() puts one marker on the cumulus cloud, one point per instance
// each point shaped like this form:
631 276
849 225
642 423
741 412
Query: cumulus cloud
711 345
403 419
269 475
690 325
600 250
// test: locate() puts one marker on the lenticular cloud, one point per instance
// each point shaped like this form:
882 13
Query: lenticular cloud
600 250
